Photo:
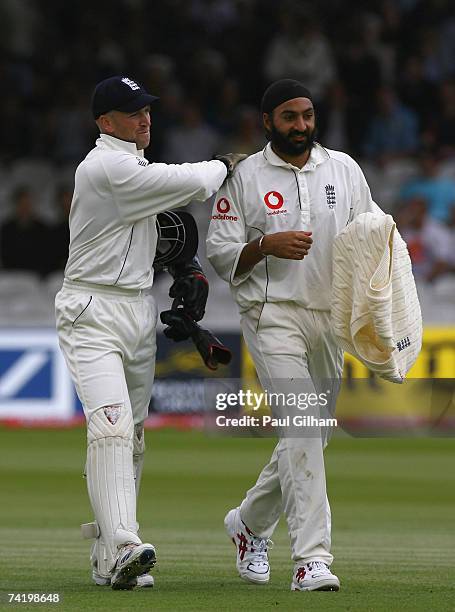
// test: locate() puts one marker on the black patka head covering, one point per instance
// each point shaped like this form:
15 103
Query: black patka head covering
282 91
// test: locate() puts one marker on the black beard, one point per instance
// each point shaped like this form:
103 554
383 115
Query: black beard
284 143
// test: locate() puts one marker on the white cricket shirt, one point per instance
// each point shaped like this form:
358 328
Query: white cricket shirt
117 196
268 195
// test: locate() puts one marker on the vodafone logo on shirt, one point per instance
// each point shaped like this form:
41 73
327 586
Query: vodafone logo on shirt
274 200
223 206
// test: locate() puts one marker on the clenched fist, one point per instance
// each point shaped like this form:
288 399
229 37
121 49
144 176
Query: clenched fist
287 245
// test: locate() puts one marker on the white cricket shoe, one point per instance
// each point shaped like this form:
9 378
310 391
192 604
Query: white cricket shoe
144 581
314 576
133 560
252 559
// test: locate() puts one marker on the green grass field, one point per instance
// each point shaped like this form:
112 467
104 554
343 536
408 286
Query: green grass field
393 506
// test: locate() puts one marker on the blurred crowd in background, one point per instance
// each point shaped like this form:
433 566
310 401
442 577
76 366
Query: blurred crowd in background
382 75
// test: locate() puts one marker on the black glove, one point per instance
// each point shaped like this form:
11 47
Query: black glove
181 327
211 349
190 288
230 160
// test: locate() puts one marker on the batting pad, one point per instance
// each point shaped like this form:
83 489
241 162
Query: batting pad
110 478
98 557
138 454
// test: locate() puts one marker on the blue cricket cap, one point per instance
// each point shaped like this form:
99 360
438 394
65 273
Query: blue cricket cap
119 93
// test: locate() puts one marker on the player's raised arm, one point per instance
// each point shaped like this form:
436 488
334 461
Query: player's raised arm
141 189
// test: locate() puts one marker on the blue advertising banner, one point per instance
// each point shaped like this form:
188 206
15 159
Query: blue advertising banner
35 383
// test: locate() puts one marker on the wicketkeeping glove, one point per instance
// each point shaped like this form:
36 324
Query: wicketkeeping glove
230 160
181 327
190 288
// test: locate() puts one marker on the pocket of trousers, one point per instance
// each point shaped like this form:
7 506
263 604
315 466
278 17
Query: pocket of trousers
265 317
76 310
82 312
252 317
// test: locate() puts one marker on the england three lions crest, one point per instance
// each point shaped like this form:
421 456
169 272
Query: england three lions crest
331 196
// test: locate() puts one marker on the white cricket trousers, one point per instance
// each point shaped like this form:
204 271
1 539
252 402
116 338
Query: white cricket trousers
108 338
290 343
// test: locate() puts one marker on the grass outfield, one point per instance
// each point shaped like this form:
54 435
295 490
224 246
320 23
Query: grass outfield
393 506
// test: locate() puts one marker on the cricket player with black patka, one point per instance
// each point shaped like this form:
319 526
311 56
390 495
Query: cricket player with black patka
271 236
106 315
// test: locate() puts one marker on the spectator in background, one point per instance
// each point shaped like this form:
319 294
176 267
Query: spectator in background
222 114
203 76
416 91
110 54
23 237
360 73
215 16
432 59
447 44
429 242
191 141
451 226
248 136
159 71
393 25
70 126
333 119
15 120
393 131
300 50
159 76
445 121
439 192
59 233
378 45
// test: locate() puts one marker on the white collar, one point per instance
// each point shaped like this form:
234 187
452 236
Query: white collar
318 155
116 144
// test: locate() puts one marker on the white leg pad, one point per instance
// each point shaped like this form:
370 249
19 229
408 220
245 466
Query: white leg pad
90 531
138 454
110 480
98 556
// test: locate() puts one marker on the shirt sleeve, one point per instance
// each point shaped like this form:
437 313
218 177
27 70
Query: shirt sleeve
140 191
226 237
